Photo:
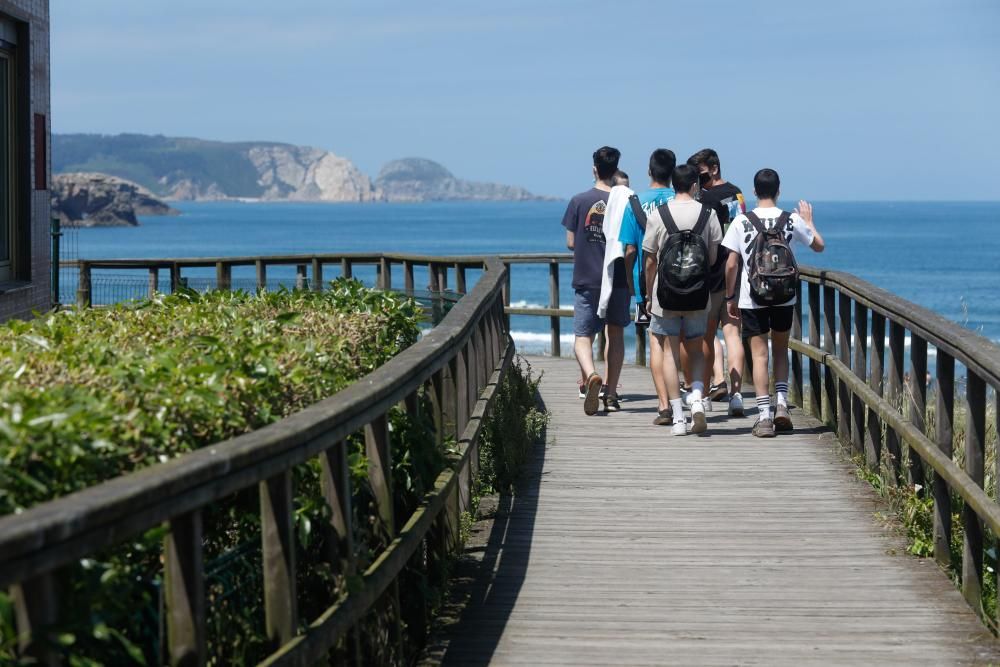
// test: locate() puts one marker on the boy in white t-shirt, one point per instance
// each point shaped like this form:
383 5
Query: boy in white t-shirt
756 320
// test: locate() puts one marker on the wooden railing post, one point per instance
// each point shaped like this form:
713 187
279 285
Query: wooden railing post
975 456
277 528
408 277
223 276
261 267
36 610
317 275
844 391
943 416
460 278
815 393
506 295
83 294
154 282
184 590
796 394
859 363
893 447
554 303
301 279
830 347
918 404
345 268
442 282
873 439
385 273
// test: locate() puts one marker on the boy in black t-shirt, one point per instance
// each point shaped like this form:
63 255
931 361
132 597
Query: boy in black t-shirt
727 200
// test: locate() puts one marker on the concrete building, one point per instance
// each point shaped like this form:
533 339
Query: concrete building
25 243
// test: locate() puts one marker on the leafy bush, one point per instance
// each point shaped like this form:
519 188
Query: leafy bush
88 395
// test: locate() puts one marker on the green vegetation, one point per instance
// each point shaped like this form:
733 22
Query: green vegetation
89 395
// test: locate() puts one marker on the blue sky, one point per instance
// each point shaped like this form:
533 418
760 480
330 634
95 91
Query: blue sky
848 100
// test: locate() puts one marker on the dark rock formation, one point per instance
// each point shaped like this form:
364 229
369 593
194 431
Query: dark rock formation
99 200
419 179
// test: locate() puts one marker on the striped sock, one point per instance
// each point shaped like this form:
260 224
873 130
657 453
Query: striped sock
782 389
764 407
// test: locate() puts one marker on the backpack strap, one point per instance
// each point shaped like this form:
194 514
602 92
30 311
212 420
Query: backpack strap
755 221
699 227
668 220
640 215
782 221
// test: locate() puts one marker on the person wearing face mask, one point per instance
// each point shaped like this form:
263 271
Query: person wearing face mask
727 201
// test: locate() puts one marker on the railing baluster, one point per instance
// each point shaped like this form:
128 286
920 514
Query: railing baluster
317 274
873 440
277 529
36 610
442 270
460 278
975 456
830 347
408 277
184 590
461 373
815 389
554 303
859 363
346 269
261 268
918 404
83 286
385 273
301 279
795 387
943 419
223 276
175 277
894 449
844 391
506 295
154 282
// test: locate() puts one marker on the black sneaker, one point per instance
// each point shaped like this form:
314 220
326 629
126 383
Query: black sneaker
664 417
764 428
611 403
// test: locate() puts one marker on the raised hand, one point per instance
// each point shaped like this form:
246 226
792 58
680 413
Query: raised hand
805 211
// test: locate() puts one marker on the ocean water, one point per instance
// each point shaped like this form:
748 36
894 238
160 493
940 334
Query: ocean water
943 256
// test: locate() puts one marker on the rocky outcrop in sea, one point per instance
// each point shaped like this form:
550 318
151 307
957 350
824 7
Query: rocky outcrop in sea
98 200
419 179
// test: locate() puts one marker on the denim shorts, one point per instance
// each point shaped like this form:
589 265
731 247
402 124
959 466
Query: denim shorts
694 324
586 323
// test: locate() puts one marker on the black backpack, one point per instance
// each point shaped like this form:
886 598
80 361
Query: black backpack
772 272
683 269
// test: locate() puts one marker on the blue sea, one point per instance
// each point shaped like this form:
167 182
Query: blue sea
943 256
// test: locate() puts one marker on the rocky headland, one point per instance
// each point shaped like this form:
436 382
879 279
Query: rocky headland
84 199
195 169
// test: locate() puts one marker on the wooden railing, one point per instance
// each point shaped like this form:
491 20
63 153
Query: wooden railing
880 410
457 366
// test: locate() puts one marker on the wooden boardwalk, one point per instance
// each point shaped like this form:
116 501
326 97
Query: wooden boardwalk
627 546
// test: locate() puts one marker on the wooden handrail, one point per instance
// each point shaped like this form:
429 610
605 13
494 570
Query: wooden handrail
37 542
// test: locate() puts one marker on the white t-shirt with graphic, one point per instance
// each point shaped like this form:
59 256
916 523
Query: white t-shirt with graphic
740 239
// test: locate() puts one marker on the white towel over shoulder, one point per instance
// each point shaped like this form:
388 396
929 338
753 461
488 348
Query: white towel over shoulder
613 249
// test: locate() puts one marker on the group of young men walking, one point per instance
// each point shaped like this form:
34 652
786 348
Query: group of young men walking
693 258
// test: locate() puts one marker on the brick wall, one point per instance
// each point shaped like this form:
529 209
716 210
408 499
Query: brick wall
21 300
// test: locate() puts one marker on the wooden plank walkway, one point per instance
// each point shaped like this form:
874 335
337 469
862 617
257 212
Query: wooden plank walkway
626 546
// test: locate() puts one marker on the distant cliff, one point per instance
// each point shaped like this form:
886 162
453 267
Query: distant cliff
196 169
417 179
99 200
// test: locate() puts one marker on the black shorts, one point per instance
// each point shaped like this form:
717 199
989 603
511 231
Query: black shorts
759 321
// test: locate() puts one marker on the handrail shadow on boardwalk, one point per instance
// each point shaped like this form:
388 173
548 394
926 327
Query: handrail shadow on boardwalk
487 589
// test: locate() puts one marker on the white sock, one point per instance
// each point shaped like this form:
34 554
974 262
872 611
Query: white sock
738 395
782 389
677 405
764 407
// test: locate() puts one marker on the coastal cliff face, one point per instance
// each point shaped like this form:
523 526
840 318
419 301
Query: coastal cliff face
99 200
419 179
196 169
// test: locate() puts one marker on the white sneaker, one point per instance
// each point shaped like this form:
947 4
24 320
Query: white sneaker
736 406
707 402
679 428
698 423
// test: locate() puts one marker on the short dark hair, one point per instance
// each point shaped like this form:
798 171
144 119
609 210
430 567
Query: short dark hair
684 177
661 165
606 160
621 174
766 184
707 157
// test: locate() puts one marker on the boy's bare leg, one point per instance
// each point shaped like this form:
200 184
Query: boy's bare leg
671 353
734 354
779 347
583 346
758 348
657 349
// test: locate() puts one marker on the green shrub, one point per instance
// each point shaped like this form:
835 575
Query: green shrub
88 395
